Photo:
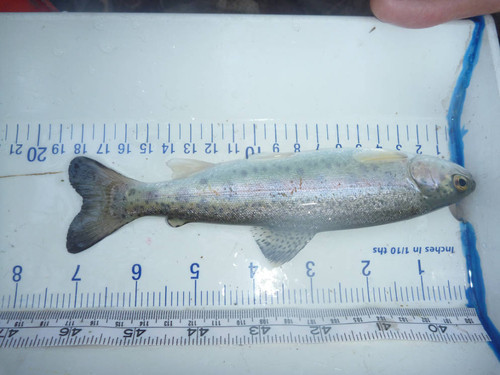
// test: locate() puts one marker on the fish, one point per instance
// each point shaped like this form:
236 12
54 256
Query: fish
286 198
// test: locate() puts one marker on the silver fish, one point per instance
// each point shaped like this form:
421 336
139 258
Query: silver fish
286 198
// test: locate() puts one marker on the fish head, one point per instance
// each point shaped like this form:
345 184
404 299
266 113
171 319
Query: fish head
441 181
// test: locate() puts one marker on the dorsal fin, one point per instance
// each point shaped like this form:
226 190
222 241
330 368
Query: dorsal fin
379 156
271 155
182 168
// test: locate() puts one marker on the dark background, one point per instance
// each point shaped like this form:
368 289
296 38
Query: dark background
327 7
308 7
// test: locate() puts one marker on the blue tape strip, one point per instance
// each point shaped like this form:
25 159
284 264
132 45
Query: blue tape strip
476 292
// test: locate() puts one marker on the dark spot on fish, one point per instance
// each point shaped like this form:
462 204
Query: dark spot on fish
244 173
300 171
203 181
132 191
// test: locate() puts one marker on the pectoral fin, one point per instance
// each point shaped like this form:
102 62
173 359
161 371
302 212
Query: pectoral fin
278 245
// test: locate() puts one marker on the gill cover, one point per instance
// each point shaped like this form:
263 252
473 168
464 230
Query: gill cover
441 179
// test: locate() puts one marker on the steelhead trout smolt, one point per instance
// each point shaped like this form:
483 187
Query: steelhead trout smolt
286 198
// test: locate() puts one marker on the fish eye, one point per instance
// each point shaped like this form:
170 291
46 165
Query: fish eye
460 182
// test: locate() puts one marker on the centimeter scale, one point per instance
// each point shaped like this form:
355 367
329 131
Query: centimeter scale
236 327
411 274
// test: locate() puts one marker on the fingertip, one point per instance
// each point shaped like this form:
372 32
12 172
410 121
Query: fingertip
410 13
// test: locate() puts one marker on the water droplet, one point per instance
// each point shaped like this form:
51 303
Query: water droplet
58 51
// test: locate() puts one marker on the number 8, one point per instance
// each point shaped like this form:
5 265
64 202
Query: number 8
17 270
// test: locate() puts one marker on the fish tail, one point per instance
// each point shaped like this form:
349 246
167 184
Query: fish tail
103 192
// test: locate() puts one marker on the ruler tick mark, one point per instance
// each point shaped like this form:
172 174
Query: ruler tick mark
38 135
254 135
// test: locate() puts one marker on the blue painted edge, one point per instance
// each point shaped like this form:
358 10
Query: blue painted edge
476 296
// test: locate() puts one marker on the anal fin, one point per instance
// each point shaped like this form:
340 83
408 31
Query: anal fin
176 223
280 245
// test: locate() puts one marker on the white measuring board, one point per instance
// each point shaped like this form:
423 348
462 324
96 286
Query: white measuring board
135 92
417 262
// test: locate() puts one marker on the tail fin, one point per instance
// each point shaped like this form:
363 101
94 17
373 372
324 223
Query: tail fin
100 214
